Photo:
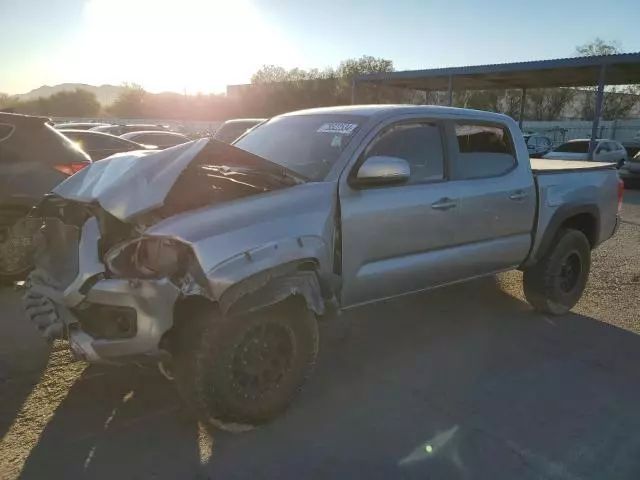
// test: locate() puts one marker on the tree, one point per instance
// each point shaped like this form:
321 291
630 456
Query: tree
618 100
276 90
362 66
548 103
77 103
269 74
130 103
598 47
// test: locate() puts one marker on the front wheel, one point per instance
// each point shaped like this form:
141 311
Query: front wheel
555 284
244 369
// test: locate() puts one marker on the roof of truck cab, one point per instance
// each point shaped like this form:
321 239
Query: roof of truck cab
371 110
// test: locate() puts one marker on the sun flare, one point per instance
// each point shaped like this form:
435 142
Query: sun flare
186 45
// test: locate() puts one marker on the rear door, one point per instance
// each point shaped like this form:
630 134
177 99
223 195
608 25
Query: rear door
396 239
497 198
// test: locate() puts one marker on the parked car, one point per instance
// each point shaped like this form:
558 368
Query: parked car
118 130
217 260
159 139
605 151
34 158
632 147
102 145
79 125
230 130
630 171
537 145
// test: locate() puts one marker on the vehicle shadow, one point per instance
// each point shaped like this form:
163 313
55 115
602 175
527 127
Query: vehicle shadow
463 382
117 423
23 359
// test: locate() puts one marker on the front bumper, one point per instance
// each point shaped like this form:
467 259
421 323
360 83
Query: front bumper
152 301
68 311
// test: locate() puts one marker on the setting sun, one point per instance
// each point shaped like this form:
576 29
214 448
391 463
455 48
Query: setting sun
192 45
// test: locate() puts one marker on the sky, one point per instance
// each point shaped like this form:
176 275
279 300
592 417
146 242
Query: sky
203 45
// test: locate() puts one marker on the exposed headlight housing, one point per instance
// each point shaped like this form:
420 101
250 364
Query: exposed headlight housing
148 258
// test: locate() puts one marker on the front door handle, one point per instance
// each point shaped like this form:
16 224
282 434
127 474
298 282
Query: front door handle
518 195
444 204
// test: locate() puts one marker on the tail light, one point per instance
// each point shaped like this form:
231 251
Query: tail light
620 194
71 168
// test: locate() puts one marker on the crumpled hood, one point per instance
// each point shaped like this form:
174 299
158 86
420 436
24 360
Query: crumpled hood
127 185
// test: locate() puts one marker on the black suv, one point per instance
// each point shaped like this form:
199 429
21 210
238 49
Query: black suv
34 158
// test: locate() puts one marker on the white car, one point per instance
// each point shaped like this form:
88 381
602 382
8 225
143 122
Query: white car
608 151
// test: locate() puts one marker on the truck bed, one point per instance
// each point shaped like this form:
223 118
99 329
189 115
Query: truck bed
542 165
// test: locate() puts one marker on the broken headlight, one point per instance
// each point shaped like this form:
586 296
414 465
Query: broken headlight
148 257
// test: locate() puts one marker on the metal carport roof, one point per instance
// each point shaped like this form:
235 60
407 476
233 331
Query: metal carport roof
621 69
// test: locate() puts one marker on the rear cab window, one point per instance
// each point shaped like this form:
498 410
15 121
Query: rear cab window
484 150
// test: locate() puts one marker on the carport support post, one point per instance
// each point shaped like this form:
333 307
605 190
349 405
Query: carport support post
598 111
523 101
353 91
450 92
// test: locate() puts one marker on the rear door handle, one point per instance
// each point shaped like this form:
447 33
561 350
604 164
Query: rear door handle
444 204
518 195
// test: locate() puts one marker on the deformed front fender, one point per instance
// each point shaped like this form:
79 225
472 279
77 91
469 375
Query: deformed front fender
303 283
270 273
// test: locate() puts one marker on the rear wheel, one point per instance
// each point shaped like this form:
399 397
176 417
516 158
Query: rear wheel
555 284
244 369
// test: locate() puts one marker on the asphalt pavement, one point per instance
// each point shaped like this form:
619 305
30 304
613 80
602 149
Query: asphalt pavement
465 382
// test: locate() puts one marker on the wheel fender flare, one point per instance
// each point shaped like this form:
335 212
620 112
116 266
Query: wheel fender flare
289 265
560 216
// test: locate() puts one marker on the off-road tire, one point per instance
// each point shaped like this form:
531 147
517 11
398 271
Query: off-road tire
543 282
205 353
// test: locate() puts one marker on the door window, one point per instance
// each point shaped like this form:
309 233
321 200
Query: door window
483 151
419 143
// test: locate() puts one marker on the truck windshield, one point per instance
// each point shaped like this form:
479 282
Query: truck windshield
306 144
574 147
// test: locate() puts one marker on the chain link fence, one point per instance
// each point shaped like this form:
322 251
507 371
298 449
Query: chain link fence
624 131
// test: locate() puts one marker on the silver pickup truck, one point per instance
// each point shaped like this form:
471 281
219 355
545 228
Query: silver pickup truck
216 261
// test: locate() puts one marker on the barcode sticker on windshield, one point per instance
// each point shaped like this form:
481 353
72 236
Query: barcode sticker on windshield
338 127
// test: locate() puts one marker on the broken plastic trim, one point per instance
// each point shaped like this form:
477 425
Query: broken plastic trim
273 286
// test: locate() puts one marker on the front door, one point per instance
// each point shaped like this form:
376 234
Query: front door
395 238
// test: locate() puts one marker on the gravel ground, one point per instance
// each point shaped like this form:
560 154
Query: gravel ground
464 382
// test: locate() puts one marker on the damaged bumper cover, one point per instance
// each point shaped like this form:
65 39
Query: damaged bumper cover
105 320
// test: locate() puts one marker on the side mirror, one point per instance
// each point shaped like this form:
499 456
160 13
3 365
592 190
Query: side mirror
380 170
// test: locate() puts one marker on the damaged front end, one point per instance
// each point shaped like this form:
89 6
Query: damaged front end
113 258
72 294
